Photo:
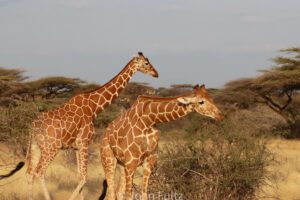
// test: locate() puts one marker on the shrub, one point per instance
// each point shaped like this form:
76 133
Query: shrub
107 116
222 167
14 123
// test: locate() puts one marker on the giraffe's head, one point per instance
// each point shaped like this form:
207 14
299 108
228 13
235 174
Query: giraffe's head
143 65
201 102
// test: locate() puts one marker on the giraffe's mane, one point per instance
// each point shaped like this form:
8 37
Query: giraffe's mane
124 69
155 98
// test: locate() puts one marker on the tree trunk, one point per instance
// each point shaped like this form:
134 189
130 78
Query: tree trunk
295 129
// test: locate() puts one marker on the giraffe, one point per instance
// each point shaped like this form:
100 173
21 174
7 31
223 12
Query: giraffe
131 140
71 126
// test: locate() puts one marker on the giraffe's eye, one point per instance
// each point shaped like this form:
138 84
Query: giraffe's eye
146 63
201 102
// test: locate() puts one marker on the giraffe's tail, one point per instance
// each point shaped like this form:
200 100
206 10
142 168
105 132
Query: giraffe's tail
21 164
12 172
104 190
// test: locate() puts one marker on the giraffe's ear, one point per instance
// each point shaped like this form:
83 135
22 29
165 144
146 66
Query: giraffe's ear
184 100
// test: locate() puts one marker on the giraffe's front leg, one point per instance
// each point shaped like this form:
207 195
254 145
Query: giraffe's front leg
82 142
82 156
122 183
47 155
129 173
109 163
149 165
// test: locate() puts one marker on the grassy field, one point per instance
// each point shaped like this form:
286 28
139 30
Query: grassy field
61 175
61 178
286 171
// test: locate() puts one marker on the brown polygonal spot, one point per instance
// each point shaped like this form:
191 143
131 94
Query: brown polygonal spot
107 95
127 156
135 151
78 100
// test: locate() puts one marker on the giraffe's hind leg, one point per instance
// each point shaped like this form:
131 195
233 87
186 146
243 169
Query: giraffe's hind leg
33 159
78 172
47 156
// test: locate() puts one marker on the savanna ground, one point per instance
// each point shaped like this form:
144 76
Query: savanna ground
61 175
286 170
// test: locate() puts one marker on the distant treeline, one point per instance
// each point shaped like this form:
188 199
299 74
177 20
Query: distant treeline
277 88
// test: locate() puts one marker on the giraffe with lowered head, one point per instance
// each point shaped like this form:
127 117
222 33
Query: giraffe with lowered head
71 126
130 140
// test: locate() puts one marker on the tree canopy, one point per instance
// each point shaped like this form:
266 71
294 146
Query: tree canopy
276 87
50 87
11 75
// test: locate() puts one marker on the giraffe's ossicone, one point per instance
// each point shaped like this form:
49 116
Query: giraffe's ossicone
131 139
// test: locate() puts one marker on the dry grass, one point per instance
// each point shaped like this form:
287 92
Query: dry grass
61 178
286 171
61 175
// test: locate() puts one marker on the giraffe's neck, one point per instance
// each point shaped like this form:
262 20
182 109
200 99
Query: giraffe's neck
103 96
164 111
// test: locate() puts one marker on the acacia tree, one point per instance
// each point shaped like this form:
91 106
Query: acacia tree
11 75
50 87
132 91
12 85
10 78
174 89
278 88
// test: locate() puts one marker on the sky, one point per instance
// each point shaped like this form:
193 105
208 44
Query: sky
187 41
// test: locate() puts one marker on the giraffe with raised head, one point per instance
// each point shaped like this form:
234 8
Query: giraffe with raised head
71 126
131 140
